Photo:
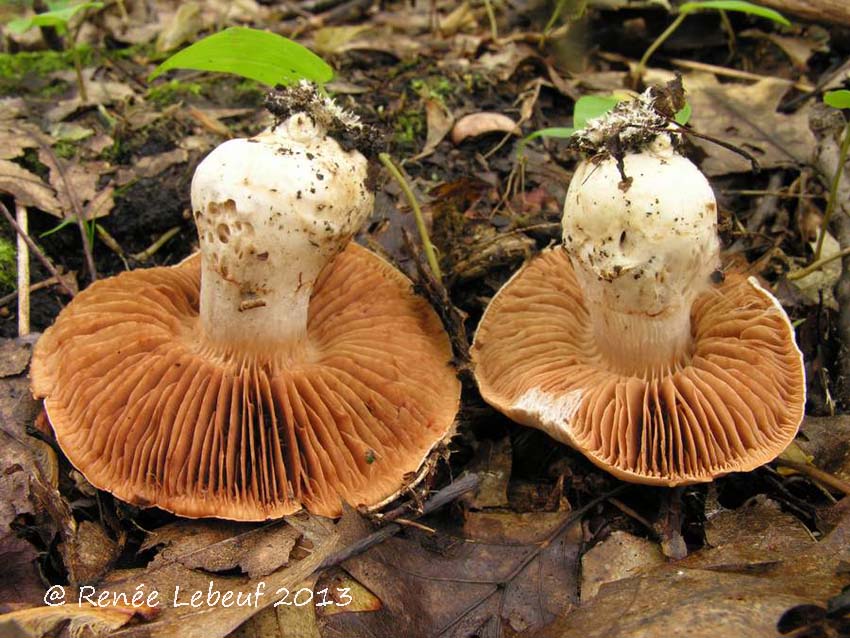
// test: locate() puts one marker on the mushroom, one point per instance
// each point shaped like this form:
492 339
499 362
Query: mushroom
624 342
282 367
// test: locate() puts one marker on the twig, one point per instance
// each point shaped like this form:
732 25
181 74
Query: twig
500 584
427 246
661 39
23 272
441 498
833 189
44 283
34 249
817 475
817 265
151 250
75 204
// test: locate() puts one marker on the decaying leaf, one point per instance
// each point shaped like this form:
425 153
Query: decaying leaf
619 556
762 562
218 546
439 120
27 188
746 116
476 124
456 586
82 620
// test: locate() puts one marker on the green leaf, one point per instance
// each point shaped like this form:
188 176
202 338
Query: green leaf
58 18
684 115
592 106
735 5
550 132
258 55
837 99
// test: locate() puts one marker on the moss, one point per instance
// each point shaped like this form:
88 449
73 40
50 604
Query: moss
435 87
14 67
8 269
172 92
65 149
409 125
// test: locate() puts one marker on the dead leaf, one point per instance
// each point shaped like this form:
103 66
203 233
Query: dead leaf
76 185
798 48
449 586
476 124
439 120
746 116
82 620
461 18
492 465
329 41
504 62
763 563
151 166
827 441
27 188
14 140
217 546
619 556
98 90
184 26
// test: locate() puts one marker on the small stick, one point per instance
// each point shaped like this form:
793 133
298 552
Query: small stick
34 249
817 475
799 274
443 497
427 246
45 283
151 250
23 272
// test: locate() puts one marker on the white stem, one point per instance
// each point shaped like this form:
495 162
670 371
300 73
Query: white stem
639 344
272 212
23 272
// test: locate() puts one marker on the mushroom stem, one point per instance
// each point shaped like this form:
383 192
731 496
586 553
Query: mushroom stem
272 212
639 344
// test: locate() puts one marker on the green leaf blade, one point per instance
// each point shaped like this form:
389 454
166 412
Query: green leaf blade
58 18
559 132
837 99
735 5
258 55
590 107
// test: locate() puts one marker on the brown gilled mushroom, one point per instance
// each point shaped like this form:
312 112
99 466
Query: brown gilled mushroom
282 367
619 343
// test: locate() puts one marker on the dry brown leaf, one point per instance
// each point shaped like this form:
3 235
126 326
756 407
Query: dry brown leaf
827 440
504 62
27 188
329 41
461 18
763 563
98 90
76 186
151 166
798 48
619 556
446 586
476 124
492 465
82 621
217 546
14 140
439 120
185 25
746 116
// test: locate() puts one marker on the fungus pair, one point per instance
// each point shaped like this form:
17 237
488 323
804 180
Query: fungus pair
285 366
623 342
282 367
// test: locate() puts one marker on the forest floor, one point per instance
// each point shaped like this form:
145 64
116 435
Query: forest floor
548 545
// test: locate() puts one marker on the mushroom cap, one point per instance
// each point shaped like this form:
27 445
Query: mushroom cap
149 409
734 404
